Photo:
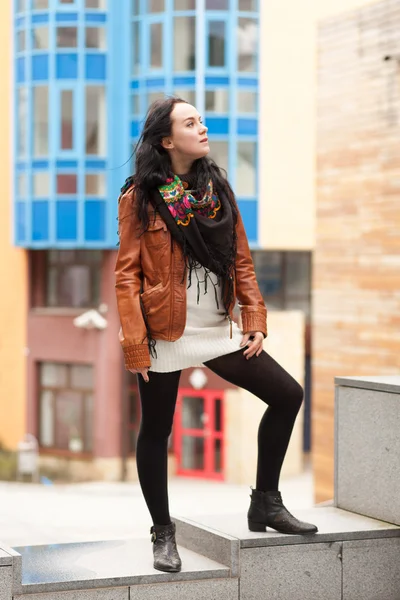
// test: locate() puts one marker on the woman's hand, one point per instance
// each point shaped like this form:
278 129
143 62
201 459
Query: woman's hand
143 372
255 346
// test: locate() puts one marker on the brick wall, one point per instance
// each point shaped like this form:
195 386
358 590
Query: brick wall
356 270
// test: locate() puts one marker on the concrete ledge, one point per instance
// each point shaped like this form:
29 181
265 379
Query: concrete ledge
379 383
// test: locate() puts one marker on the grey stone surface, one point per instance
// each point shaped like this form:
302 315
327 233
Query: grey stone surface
5 583
312 572
333 524
209 542
367 453
218 589
371 570
5 559
64 567
380 383
103 594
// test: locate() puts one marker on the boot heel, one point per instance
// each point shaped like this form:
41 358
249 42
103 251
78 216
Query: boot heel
253 526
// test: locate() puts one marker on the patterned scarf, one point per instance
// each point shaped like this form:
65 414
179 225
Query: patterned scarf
182 204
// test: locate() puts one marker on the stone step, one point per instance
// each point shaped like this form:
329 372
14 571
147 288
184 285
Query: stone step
120 565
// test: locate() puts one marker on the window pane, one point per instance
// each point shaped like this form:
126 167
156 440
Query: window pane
217 101
188 95
247 102
74 287
269 268
69 420
46 419
40 121
21 45
217 456
22 185
22 120
21 5
67 120
156 45
193 412
41 185
40 38
156 6
135 107
217 4
153 96
219 152
67 184
247 44
297 274
185 44
40 4
95 120
246 169
53 375
135 7
185 4
249 5
95 38
67 1
96 4
136 64
95 184
192 452
216 44
82 377
218 415
67 37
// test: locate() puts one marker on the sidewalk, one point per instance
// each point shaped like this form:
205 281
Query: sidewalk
34 514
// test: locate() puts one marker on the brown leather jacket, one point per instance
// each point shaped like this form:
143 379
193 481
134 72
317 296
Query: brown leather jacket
149 268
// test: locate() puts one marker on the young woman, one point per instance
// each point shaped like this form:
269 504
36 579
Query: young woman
183 260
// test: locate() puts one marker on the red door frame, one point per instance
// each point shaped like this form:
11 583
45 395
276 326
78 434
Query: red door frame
208 434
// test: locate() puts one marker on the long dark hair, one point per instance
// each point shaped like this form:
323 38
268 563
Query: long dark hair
153 164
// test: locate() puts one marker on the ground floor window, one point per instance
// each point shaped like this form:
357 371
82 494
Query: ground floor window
66 406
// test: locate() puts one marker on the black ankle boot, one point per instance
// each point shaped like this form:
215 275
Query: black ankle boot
266 508
166 557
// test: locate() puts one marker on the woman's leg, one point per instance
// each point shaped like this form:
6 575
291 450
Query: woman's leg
158 399
266 379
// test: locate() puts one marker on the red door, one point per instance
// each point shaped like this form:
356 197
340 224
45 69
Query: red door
198 434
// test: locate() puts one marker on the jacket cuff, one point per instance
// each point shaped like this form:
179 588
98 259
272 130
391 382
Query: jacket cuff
254 321
137 357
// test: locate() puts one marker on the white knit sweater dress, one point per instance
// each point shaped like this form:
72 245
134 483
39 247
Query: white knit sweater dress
206 334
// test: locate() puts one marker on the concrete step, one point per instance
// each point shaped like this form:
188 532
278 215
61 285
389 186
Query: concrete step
124 567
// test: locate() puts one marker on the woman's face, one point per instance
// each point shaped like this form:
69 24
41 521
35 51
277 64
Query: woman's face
189 135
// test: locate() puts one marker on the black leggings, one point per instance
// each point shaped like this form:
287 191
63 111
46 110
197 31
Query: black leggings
262 376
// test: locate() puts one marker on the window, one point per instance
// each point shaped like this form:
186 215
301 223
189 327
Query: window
40 4
156 45
40 38
135 106
217 101
246 102
153 96
185 5
67 183
67 1
40 121
21 5
22 120
156 6
136 58
73 278
95 184
246 169
216 43
219 152
135 7
248 5
100 4
67 37
247 44
66 406
217 4
95 120
41 184
67 120
95 38
185 44
21 185
188 95
21 41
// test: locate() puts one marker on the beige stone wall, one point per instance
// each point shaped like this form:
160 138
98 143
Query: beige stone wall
356 298
243 411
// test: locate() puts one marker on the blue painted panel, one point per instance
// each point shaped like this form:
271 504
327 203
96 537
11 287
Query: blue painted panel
135 128
135 85
63 17
96 66
157 82
66 66
217 81
96 17
40 164
20 222
20 70
95 212
40 220
21 166
249 211
20 21
217 125
40 18
178 81
95 164
247 126
66 164
40 67
247 82
66 220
